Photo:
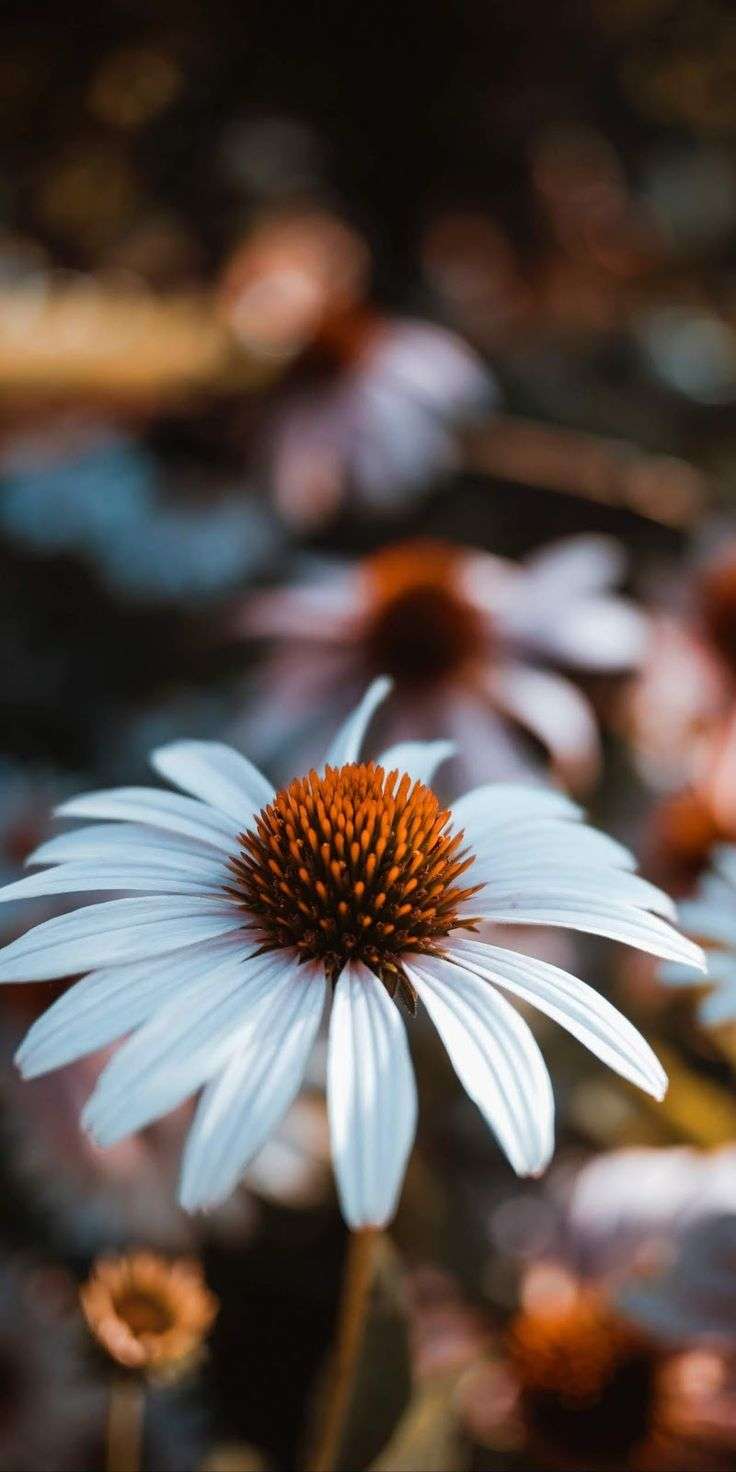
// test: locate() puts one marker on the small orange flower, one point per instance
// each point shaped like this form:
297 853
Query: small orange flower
149 1314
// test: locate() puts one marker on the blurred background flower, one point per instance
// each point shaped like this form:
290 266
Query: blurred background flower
467 638
148 1314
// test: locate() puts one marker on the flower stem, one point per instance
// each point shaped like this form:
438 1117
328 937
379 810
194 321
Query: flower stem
125 1424
354 1301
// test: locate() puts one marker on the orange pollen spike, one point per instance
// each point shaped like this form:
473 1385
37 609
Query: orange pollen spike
330 853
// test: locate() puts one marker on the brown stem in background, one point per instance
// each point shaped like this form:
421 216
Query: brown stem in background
663 488
351 1323
125 1424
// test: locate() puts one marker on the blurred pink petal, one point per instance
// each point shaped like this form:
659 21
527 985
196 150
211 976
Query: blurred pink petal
323 611
681 689
382 427
583 564
557 714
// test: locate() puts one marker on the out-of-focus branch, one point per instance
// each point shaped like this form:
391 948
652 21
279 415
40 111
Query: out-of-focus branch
125 346
613 472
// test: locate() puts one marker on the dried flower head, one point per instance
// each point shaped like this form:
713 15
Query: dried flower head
147 1313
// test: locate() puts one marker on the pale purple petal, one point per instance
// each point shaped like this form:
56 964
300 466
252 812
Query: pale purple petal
323 612
576 565
555 712
597 634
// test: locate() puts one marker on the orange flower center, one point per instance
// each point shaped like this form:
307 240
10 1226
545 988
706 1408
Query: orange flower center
587 1378
422 628
359 864
144 1313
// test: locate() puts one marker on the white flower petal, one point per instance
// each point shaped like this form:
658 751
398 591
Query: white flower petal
555 712
123 840
117 930
572 1003
498 808
419 758
191 876
349 739
558 881
238 1110
371 1097
551 841
177 1050
495 1057
109 1003
167 810
217 775
596 917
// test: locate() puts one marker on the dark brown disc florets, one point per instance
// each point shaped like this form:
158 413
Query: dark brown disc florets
422 628
358 864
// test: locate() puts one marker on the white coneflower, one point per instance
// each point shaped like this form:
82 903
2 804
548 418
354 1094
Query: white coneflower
711 915
351 881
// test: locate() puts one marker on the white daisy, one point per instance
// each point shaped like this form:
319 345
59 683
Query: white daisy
351 882
711 915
